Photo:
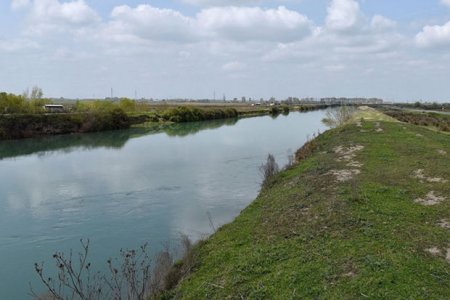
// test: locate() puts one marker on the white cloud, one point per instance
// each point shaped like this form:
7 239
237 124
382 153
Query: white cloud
446 2
254 23
75 12
434 36
19 4
243 24
233 66
348 35
335 68
220 2
146 22
382 23
343 15
17 45
55 16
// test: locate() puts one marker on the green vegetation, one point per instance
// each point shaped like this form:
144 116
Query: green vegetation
435 120
364 214
426 106
192 114
18 126
339 116
13 104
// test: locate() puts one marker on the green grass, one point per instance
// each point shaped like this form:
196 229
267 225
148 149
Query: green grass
308 236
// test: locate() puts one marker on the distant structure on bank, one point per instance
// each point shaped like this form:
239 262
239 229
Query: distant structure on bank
351 101
53 108
334 100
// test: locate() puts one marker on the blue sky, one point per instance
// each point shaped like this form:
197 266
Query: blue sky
397 50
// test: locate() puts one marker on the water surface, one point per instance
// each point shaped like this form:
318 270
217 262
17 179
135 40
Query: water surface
124 188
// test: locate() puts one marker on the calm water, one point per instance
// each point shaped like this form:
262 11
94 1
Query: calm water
124 188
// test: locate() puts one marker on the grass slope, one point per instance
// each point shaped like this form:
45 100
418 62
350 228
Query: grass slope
309 235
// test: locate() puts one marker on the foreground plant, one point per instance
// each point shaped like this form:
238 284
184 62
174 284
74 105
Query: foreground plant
132 276
269 169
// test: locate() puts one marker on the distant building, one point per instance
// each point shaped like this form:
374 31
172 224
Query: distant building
357 101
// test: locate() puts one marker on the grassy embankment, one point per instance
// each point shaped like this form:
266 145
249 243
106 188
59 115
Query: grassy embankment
364 215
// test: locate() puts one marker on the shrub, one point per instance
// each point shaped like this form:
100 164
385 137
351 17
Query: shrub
338 117
131 276
269 170
192 114
274 111
307 149
442 122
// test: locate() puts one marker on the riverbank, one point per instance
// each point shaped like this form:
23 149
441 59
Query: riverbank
18 126
364 214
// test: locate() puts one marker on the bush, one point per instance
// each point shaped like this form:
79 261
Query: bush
274 111
308 148
192 114
12 104
338 117
440 121
269 170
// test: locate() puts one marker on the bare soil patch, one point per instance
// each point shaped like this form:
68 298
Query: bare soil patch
354 164
430 199
442 152
344 175
347 154
434 251
419 174
444 224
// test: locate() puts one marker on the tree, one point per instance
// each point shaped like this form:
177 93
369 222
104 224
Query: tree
36 93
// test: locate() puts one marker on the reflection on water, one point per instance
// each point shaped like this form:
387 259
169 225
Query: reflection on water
109 139
123 188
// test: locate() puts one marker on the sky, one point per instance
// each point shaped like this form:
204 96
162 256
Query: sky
396 50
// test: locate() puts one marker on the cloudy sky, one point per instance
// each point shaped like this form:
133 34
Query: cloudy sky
397 50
